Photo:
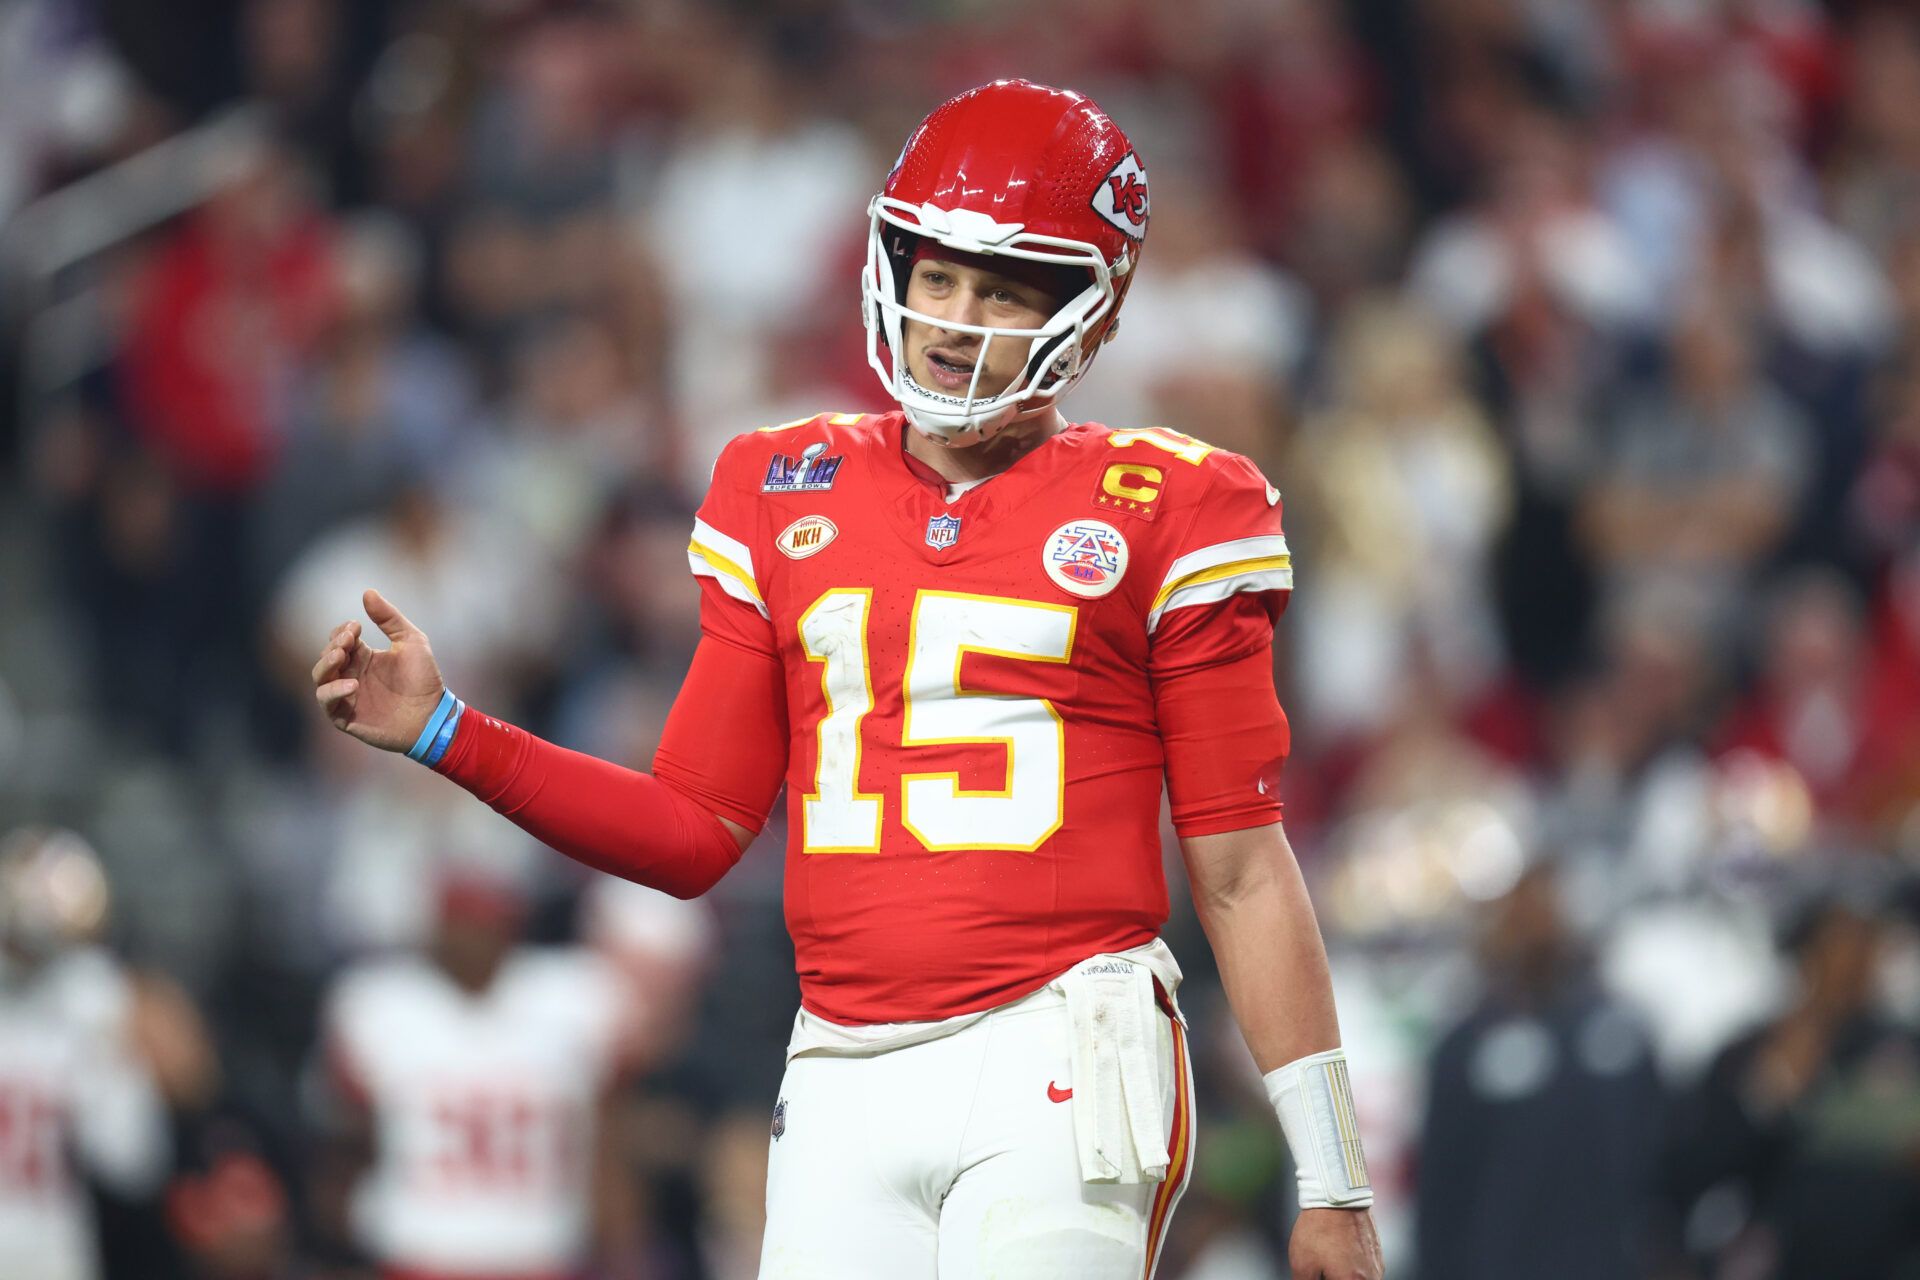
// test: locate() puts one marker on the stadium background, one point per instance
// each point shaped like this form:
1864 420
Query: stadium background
1583 338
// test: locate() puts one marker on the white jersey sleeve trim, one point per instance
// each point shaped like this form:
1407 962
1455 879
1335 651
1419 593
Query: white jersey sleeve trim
1221 570
727 561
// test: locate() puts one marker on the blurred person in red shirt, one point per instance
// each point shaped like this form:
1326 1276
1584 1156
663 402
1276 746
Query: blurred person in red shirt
1841 711
235 298
232 1222
218 325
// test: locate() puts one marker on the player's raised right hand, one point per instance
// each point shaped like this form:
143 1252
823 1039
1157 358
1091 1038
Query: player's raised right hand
380 696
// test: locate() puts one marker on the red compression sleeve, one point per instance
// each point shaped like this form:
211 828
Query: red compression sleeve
718 754
1226 740
725 743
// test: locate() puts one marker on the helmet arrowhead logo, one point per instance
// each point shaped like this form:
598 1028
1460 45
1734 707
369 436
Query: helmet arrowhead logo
1121 198
1129 196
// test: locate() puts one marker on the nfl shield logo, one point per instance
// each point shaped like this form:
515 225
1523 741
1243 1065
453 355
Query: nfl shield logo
943 532
779 1119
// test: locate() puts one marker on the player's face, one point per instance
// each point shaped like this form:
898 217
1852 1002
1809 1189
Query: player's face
965 289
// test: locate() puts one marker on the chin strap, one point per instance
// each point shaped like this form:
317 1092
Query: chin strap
953 429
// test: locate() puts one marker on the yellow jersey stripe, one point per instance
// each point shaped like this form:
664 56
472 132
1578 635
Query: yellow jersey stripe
719 562
1232 568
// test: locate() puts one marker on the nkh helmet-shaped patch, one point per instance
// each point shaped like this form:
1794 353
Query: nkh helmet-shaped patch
1017 170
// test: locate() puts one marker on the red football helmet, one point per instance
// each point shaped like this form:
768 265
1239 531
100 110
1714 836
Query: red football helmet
1021 170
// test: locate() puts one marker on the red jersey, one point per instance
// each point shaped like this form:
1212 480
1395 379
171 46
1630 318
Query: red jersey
974 769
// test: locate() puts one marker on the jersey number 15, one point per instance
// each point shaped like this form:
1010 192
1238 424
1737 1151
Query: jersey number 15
946 626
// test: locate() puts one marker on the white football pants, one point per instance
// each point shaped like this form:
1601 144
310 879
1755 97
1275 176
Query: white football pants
951 1159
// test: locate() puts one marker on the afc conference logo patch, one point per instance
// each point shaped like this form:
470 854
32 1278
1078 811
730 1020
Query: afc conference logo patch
1087 558
805 537
943 532
1121 198
808 473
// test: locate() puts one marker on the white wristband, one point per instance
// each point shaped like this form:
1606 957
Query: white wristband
1315 1105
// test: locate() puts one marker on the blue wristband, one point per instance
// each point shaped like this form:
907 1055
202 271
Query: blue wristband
435 723
446 735
444 739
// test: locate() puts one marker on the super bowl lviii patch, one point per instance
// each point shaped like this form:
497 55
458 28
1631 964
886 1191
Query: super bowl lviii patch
1086 558
810 472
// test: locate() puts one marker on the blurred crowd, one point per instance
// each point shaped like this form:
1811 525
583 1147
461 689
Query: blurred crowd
1582 336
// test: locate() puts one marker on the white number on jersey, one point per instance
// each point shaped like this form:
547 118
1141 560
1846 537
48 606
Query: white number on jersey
945 627
836 818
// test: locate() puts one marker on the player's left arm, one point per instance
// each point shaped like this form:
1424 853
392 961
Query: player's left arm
1226 740
1253 904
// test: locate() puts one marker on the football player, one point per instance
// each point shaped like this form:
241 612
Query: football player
472 1088
971 638
78 1097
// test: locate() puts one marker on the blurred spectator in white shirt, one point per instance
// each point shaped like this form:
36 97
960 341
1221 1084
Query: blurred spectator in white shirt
745 219
1715 197
1400 487
87 1063
470 578
1535 228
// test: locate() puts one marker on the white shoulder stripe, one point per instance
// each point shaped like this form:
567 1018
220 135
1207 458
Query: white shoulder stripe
732 583
1271 574
727 548
1220 553
727 561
